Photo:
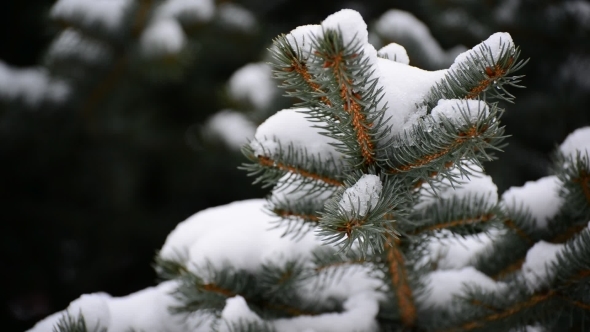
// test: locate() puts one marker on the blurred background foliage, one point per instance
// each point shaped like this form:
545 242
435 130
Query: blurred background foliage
91 186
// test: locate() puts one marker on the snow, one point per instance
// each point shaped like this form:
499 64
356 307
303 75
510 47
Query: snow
106 14
233 128
537 269
460 111
449 251
71 43
577 142
488 51
539 198
204 237
404 86
351 26
363 196
144 310
162 38
463 185
242 235
444 285
291 126
236 17
236 309
402 27
358 315
397 24
394 52
253 84
302 38
193 11
31 86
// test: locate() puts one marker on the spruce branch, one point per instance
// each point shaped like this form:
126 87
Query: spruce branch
291 69
480 75
442 144
289 161
369 227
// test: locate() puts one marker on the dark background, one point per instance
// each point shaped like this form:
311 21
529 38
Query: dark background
85 206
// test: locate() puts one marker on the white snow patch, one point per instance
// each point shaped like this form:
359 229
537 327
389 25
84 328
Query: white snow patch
537 269
351 26
402 27
395 52
577 142
253 84
404 87
302 38
460 111
291 126
454 252
488 51
193 11
233 128
32 86
359 315
444 285
106 14
363 196
236 310
236 235
236 17
71 43
539 198
145 310
162 38
475 184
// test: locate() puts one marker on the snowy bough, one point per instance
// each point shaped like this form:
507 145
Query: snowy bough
380 217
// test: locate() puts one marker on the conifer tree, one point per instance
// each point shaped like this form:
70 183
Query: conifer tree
381 217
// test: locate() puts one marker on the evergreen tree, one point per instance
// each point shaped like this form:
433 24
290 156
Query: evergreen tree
382 217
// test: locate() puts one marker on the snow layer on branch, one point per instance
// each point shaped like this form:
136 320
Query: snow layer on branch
539 198
162 38
31 86
394 52
193 11
475 184
302 38
351 26
449 251
443 285
236 235
363 196
146 310
71 43
460 111
242 235
106 14
253 84
404 86
291 126
577 142
537 269
488 51
236 310
233 128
